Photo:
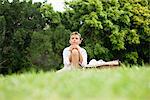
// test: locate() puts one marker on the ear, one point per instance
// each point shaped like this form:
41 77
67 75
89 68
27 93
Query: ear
69 41
81 40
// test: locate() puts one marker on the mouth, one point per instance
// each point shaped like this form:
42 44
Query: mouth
74 43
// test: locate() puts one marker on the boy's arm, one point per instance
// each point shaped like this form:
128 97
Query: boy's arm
66 55
82 56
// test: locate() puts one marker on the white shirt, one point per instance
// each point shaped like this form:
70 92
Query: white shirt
66 54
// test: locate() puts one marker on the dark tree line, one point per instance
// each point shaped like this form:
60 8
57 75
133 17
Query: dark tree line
33 35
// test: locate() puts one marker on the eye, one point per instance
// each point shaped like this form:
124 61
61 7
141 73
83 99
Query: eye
76 38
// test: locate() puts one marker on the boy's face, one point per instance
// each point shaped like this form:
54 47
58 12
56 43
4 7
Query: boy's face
75 40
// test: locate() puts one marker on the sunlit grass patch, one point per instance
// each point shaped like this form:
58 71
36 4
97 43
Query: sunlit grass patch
109 84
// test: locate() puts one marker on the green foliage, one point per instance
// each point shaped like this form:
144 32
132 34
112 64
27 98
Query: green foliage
2 30
18 21
47 46
52 18
114 26
101 52
57 38
117 38
39 48
133 37
131 57
34 35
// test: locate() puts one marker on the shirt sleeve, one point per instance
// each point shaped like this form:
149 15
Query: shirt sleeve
84 56
66 54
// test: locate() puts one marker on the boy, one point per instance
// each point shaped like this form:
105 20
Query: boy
74 56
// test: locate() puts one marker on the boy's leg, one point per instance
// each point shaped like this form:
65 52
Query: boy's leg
111 63
75 58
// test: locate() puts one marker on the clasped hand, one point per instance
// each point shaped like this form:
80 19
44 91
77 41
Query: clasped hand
74 47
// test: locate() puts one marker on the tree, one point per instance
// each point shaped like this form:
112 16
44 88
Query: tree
113 29
19 20
47 45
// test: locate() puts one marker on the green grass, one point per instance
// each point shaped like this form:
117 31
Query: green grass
105 84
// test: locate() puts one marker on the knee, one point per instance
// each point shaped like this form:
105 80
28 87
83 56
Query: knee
75 52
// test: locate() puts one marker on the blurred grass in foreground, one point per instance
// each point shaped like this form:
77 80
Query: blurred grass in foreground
106 84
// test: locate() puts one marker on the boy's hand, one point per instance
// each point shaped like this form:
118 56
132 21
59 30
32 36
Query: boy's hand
75 47
78 47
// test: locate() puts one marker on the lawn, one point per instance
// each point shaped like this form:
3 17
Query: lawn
92 84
